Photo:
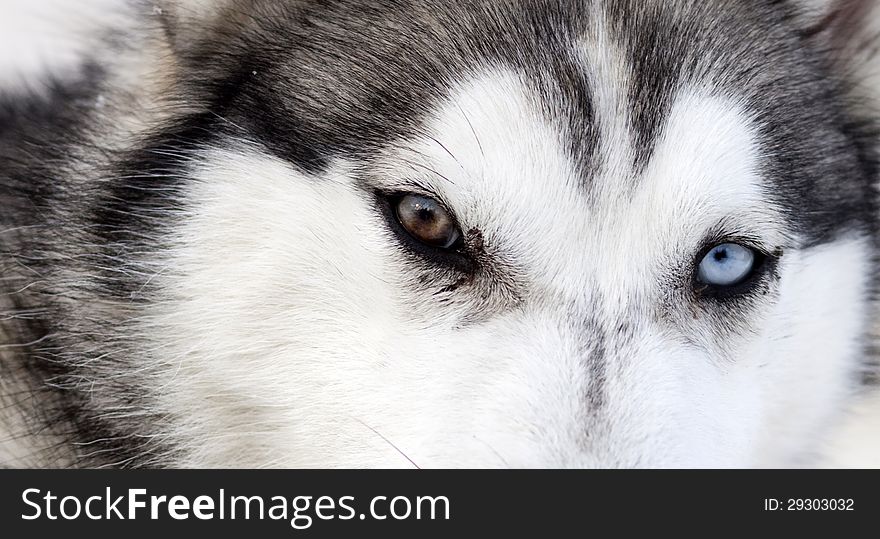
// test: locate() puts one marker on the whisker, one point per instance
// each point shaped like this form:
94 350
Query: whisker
497 454
448 152
473 131
379 434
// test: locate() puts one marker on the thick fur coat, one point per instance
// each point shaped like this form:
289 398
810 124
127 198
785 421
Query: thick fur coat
202 259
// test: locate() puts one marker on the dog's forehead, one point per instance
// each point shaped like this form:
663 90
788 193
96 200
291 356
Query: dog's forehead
508 168
603 77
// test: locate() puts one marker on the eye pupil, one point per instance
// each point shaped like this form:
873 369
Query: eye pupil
427 221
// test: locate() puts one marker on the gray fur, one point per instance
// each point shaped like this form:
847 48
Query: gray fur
89 193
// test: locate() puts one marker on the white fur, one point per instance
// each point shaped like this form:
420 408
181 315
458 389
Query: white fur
855 441
290 338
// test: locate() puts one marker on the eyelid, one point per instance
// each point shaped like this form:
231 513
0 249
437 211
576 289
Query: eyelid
751 229
709 243
724 233
409 186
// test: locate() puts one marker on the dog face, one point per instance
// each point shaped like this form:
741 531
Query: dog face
541 235
534 234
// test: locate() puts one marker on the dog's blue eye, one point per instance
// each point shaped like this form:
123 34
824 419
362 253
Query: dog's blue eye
726 265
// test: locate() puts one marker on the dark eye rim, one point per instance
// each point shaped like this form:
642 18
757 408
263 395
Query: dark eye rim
765 263
454 257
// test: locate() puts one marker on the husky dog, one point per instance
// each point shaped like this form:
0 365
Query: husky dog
470 233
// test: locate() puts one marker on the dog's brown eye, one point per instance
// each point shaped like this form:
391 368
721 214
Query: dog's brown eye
427 221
